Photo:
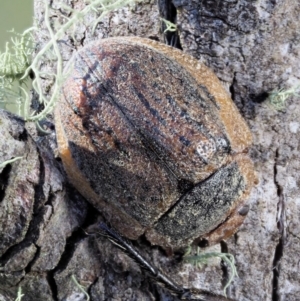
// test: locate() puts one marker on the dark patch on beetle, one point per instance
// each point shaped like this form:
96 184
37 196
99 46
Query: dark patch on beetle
116 181
184 186
208 200
118 144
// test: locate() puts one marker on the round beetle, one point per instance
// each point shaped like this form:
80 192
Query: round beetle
151 138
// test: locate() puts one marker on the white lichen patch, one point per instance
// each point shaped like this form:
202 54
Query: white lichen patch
294 126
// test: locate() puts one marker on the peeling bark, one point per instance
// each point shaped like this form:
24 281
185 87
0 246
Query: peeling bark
253 47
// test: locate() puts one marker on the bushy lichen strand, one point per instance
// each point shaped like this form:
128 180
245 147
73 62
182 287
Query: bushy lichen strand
202 258
278 98
13 63
17 56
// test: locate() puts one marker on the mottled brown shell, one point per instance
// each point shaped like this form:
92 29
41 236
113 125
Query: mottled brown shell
151 138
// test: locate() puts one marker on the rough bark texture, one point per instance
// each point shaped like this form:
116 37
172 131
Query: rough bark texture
253 46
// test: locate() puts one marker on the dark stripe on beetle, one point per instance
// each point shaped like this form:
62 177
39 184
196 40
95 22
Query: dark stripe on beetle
147 105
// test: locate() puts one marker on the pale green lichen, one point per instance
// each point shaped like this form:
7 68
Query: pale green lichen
17 56
13 63
169 25
80 287
19 295
278 98
201 258
3 164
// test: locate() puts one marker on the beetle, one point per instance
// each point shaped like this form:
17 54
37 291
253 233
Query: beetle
151 138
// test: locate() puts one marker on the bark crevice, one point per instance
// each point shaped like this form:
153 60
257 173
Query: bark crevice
4 179
168 12
282 232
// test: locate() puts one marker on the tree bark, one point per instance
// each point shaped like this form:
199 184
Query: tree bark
253 47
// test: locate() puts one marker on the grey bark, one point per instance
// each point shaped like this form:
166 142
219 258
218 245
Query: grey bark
253 47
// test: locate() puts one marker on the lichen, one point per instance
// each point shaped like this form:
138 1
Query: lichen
202 258
80 287
278 98
3 164
19 295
